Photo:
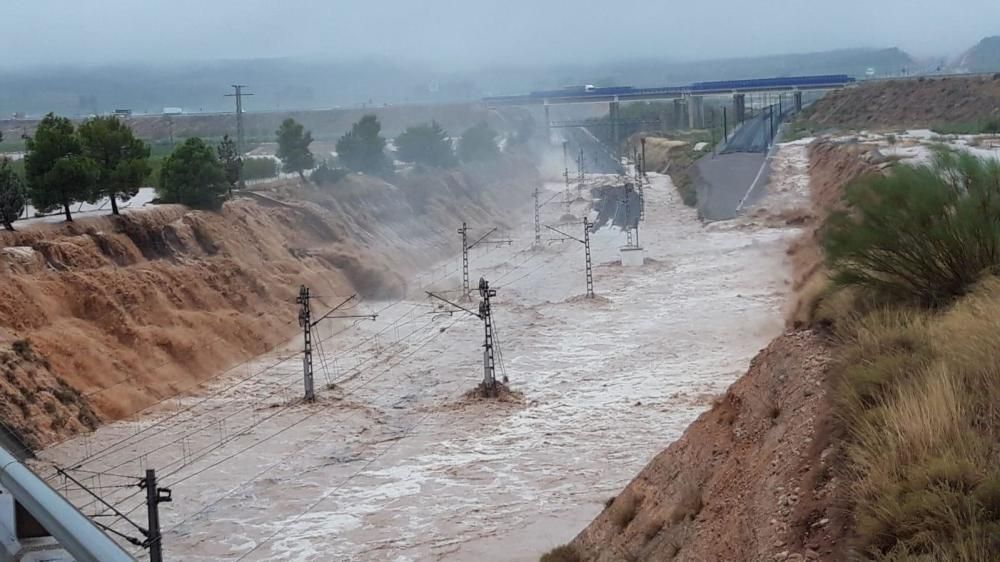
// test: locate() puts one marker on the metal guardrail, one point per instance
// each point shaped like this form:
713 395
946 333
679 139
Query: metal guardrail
71 528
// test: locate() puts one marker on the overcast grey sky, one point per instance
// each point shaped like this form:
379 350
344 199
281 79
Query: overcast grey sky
471 32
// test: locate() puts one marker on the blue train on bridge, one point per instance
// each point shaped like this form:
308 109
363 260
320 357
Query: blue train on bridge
587 93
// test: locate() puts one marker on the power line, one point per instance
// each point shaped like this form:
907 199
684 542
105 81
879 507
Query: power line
393 325
337 488
309 442
304 418
159 423
218 421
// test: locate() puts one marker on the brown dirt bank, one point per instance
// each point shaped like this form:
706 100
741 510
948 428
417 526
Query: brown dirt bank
831 167
751 479
921 102
122 312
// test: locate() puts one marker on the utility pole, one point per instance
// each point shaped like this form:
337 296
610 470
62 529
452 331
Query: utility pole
586 247
643 142
238 94
628 209
711 128
590 267
725 123
154 497
566 163
635 164
538 223
579 167
305 321
464 231
485 314
770 119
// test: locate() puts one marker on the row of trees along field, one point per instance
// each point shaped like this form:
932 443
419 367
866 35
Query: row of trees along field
102 159
363 148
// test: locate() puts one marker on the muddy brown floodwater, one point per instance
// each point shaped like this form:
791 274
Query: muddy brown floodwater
392 463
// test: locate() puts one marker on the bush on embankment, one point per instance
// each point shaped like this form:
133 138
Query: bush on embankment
918 378
923 234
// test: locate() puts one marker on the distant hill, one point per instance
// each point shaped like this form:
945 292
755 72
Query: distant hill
303 83
984 57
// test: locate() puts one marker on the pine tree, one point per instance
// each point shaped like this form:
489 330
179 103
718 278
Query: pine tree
478 143
293 148
425 144
362 149
192 175
57 172
232 163
122 160
11 195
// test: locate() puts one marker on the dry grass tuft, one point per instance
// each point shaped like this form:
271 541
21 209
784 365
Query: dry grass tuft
653 528
687 504
624 509
564 553
920 395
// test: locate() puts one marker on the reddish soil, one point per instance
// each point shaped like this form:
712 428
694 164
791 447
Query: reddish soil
921 102
105 316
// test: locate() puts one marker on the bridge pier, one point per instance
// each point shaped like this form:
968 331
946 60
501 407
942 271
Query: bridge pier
739 108
548 124
798 101
696 112
680 113
613 112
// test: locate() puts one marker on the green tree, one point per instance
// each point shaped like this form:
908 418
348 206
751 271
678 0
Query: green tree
524 132
122 160
425 144
232 163
11 194
478 143
56 170
260 168
192 175
293 148
362 149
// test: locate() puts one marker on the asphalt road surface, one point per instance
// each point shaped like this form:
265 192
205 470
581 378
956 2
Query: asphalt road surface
724 180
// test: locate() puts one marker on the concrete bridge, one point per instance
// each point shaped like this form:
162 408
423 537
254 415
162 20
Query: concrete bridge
688 100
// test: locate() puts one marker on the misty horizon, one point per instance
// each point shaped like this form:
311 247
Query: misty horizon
518 33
